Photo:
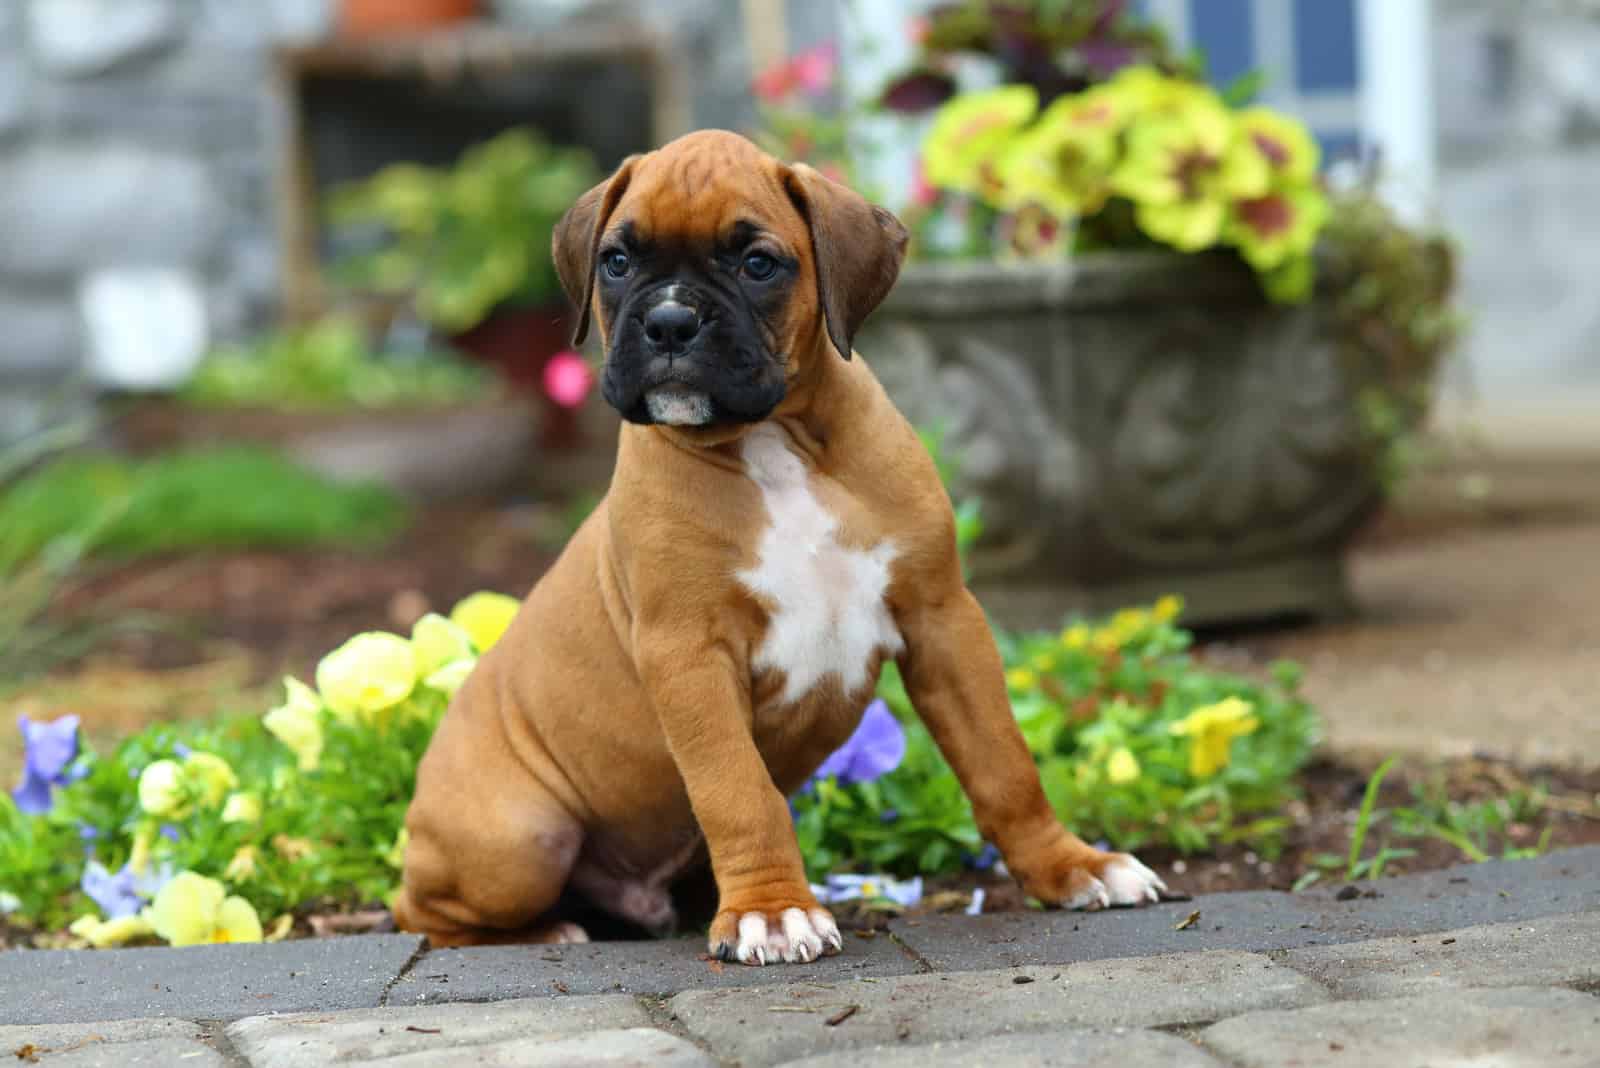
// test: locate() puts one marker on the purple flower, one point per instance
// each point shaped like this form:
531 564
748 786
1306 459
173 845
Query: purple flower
170 832
836 888
181 751
124 893
984 859
49 749
875 749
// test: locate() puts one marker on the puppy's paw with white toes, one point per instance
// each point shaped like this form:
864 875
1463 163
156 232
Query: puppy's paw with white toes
793 936
1128 882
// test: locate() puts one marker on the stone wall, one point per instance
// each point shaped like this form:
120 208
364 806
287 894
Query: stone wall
138 136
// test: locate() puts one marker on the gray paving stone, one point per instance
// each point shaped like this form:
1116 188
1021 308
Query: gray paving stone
639 1047
107 1044
1046 1049
1496 892
150 1053
200 982
765 1027
1512 1028
492 973
1555 951
313 1039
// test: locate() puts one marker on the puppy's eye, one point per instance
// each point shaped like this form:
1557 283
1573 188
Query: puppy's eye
758 266
617 264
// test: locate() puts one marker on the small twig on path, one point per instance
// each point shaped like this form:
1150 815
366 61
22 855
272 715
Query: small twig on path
842 1015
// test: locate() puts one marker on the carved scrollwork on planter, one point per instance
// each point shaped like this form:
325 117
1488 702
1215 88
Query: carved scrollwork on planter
1233 439
1013 456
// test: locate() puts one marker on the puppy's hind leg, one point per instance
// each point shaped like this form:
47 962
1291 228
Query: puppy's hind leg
486 877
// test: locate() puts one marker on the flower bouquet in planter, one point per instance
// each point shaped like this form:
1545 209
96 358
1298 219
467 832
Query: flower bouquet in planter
468 249
1175 355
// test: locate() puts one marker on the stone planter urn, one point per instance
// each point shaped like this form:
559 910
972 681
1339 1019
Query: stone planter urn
1135 424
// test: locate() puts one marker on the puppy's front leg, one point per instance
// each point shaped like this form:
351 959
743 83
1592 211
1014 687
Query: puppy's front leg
956 680
766 912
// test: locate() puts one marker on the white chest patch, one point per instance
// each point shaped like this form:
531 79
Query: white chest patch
828 610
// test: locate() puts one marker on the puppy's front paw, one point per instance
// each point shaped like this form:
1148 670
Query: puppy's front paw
1097 881
795 935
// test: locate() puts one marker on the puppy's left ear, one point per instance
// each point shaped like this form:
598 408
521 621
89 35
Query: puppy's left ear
858 250
576 241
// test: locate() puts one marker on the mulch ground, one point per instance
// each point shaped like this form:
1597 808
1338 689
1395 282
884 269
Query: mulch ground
232 623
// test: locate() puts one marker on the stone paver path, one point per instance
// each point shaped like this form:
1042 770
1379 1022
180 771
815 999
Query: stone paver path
1485 965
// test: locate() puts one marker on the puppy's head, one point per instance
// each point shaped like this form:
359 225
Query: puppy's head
716 274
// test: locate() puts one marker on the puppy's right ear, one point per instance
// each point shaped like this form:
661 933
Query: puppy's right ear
576 241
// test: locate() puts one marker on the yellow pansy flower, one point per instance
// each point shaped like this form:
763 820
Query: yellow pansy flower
367 675
1167 608
280 928
1077 636
485 617
448 679
1064 161
104 934
1123 767
435 642
297 723
242 868
1292 154
1280 225
1182 172
242 808
162 789
968 137
210 776
194 910
1211 731
293 849
1021 679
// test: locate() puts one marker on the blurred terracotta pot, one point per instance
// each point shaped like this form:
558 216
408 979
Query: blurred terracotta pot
366 18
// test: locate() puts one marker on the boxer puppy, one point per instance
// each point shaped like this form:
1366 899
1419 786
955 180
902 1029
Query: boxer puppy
774 532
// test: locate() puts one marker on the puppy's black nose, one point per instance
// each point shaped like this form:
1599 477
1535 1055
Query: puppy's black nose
670 326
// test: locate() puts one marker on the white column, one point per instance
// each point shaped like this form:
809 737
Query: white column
874 43
1396 56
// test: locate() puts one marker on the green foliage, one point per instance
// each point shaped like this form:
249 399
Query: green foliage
328 365
213 498
470 238
1100 707
1393 287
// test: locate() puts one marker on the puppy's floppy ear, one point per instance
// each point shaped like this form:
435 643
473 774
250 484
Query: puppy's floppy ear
858 250
576 241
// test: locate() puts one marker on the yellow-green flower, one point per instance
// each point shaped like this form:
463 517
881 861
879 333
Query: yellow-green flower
210 777
969 136
139 855
1123 628
193 910
435 642
485 617
1021 679
162 790
242 808
367 675
104 934
242 867
1167 608
297 723
1045 662
395 857
1077 636
1064 161
1211 731
1183 170
1292 154
1123 767
1277 226
448 679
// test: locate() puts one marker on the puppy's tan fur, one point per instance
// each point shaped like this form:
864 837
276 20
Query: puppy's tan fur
619 723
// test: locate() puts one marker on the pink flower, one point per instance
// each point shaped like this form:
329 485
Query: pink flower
810 72
567 379
917 29
923 194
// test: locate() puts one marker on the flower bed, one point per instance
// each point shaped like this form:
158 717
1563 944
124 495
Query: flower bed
227 831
